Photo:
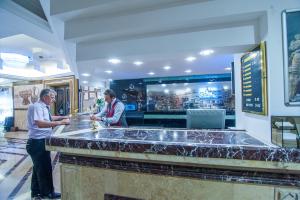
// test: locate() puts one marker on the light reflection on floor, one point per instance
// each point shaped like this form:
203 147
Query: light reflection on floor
15 167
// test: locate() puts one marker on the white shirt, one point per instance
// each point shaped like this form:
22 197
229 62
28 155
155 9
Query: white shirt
119 109
38 111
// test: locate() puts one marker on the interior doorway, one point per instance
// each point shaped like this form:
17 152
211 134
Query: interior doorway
67 95
62 103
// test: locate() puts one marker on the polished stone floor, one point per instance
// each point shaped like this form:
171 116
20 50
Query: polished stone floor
16 167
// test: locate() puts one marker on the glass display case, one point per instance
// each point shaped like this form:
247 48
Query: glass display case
285 131
178 97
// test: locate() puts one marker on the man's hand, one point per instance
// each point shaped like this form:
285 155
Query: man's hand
93 117
65 121
66 117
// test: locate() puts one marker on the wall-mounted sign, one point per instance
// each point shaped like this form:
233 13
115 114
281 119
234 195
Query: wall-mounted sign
291 50
254 80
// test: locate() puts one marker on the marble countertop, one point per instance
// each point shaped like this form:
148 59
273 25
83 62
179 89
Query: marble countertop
179 142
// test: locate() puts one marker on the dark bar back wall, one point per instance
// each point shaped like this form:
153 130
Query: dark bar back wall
133 93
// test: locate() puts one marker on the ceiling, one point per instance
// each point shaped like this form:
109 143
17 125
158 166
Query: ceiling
46 56
29 46
33 6
213 64
156 32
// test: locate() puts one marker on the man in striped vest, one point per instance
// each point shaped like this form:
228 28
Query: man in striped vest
113 113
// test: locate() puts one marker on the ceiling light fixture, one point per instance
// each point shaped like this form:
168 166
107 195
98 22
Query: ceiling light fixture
167 67
151 73
14 57
190 58
188 71
108 71
227 68
138 63
206 52
85 74
114 61
84 82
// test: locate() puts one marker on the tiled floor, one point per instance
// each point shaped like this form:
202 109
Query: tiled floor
15 167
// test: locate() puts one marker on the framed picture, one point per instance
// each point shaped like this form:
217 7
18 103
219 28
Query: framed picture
24 95
92 95
291 51
254 81
85 96
91 89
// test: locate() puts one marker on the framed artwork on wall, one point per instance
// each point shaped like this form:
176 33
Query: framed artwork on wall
92 95
91 89
291 51
85 96
24 95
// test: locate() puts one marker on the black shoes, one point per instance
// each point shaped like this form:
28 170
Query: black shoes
52 195
36 197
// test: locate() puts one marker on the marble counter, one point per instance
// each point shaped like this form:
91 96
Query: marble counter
189 143
210 155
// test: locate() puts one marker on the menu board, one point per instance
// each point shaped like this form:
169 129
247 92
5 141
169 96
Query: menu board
254 81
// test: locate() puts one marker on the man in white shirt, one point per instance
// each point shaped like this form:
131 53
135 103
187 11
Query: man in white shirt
113 113
40 124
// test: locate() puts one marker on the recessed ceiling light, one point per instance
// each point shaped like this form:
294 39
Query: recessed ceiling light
84 82
151 73
206 52
138 63
163 85
167 67
188 71
114 61
190 58
108 71
227 68
85 74
185 84
166 91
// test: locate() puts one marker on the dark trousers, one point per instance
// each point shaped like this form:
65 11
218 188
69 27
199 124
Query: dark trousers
42 181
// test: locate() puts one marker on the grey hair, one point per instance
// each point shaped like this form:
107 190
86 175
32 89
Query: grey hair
46 92
110 93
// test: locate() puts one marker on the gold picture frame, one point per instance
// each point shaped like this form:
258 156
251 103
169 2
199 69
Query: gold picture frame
72 82
254 70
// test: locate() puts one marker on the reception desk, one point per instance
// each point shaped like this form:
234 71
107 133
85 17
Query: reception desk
119 163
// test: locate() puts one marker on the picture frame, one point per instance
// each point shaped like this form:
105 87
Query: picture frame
91 89
254 81
92 95
291 54
24 95
85 96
